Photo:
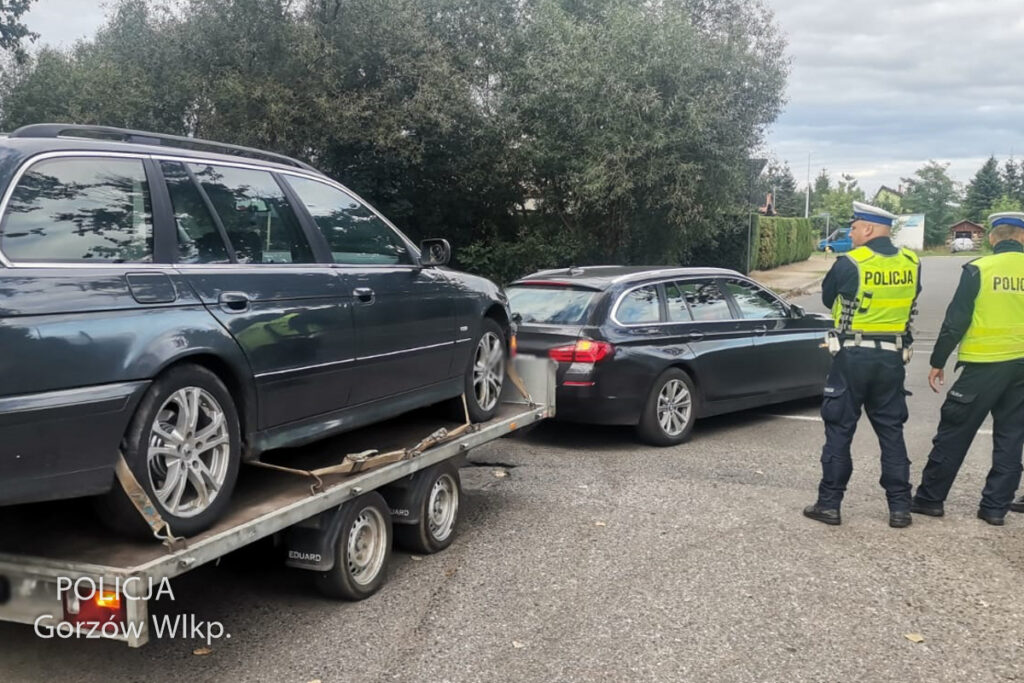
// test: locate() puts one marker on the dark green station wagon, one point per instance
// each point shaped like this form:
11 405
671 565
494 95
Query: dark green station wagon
196 304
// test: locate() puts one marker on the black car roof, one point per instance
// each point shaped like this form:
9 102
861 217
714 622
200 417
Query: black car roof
603 277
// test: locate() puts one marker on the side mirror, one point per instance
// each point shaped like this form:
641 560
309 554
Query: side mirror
797 311
435 252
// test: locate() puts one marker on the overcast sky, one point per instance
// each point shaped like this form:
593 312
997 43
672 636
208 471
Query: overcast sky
878 87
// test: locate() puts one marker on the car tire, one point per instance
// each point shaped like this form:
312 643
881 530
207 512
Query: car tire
485 375
188 481
670 410
362 550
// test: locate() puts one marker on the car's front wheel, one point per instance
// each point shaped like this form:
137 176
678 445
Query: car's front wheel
670 410
485 376
183 446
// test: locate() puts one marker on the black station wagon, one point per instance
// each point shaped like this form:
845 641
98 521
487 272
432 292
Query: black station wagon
195 304
660 347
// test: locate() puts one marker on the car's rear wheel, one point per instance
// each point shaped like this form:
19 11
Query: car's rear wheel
670 411
485 376
183 446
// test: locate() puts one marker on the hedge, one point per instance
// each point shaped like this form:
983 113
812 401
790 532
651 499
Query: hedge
782 240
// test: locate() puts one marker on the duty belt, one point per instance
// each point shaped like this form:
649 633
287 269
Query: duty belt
872 343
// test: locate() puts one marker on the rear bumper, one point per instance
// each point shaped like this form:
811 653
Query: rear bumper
587 405
63 444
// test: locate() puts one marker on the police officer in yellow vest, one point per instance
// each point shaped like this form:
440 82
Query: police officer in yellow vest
871 291
986 317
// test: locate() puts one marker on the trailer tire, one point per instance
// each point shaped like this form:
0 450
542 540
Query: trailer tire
210 471
362 550
437 499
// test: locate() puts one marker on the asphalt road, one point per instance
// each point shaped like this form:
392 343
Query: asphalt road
601 560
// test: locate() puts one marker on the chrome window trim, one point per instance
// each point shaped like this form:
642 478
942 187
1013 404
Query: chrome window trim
685 278
45 156
184 158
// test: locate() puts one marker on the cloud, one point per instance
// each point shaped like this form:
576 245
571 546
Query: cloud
60 23
879 88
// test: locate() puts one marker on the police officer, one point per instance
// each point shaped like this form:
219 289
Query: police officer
871 291
986 318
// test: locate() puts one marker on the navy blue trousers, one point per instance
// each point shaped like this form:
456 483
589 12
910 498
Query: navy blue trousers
982 388
869 379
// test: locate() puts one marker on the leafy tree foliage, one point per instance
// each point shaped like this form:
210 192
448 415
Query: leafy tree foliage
606 130
12 31
933 193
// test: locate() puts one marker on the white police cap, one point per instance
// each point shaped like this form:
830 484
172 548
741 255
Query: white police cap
1007 218
873 214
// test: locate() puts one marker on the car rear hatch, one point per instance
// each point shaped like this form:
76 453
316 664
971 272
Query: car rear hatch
551 316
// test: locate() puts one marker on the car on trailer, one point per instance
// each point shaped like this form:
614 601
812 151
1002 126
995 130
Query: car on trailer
195 304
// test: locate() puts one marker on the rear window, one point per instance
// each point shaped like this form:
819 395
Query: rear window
551 305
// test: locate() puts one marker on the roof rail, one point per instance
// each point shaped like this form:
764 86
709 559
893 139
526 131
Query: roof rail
139 137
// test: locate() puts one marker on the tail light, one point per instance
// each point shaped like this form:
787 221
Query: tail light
103 607
583 351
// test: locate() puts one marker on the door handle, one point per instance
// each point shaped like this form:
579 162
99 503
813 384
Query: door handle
695 336
233 302
760 330
363 294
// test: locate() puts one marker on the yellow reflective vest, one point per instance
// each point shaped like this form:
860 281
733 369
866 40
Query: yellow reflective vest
997 326
886 290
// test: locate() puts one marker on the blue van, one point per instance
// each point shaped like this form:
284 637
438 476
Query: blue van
838 241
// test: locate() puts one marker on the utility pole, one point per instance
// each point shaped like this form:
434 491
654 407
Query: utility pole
807 196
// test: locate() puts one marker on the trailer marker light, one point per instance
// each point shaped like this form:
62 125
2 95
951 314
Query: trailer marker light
107 600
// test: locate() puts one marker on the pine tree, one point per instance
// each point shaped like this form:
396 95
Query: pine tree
983 191
1013 180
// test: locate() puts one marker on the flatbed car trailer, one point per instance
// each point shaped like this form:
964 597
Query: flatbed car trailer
59 569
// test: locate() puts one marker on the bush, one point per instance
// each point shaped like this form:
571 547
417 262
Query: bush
783 240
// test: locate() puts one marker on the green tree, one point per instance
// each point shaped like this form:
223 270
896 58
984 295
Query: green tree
777 178
984 190
821 187
1013 179
838 201
602 129
933 193
12 31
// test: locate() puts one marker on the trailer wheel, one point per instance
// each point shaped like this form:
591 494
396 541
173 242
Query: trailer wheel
361 551
437 499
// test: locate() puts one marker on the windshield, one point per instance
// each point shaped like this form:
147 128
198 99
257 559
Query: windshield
551 305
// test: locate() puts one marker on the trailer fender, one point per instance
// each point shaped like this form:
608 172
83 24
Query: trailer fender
310 543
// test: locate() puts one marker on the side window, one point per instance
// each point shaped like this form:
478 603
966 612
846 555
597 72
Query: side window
354 234
676 299
639 306
755 303
707 302
198 239
259 222
80 210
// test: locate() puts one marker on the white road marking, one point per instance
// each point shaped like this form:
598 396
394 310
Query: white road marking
812 418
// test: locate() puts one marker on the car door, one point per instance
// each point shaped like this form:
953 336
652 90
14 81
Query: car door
244 252
403 314
700 316
787 350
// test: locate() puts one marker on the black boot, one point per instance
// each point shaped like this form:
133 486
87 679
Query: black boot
991 517
932 510
825 515
899 519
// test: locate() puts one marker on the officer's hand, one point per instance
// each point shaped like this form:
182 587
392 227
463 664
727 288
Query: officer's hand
936 379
